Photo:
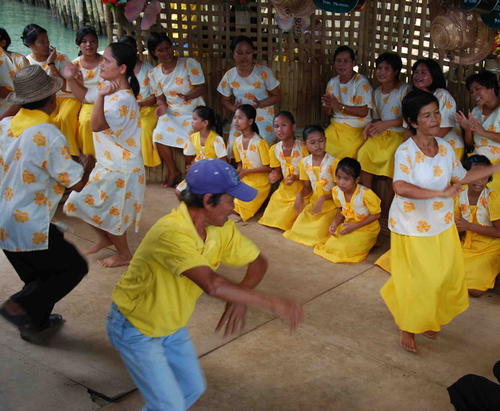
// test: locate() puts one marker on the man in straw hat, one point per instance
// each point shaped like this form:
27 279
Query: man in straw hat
35 170
174 264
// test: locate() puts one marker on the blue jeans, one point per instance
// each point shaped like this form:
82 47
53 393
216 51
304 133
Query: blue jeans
165 369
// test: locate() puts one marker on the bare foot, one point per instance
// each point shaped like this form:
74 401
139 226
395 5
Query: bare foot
171 179
99 245
430 334
114 261
407 341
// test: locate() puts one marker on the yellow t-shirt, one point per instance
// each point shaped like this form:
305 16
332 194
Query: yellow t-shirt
153 294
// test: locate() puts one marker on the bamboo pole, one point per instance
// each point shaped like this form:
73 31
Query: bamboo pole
102 16
89 6
80 14
109 24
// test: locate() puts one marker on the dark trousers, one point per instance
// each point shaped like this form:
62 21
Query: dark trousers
48 275
476 393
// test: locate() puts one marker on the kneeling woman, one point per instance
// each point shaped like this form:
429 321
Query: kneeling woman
427 288
477 212
355 228
112 201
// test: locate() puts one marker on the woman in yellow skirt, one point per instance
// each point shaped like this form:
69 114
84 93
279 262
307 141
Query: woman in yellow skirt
427 288
284 159
482 129
251 153
477 213
89 63
316 173
385 134
65 116
348 100
147 104
355 228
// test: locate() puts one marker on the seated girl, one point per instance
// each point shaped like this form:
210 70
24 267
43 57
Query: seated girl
251 153
355 228
205 142
316 173
385 133
284 158
477 212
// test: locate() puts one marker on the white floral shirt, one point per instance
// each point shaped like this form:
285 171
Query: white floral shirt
9 64
428 217
388 106
36 167
60 62
483 145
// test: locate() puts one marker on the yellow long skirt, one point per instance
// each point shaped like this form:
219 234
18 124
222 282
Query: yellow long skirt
343 140
459 152
384 261
85 135
311 229
65 118
259 181
349 248
495 183
482 262
148 124
376 156
279 212
427 288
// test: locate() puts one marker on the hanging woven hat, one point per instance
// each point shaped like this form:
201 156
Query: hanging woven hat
32 83
293 8
461 36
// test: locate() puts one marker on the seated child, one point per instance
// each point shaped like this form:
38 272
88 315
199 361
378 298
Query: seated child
477 212
251 153
205 142
355 228
316 172
284 158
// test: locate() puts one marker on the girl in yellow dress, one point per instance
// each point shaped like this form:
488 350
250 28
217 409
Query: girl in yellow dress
477 213
251 153
427 287
10 62
385 133
147 104
89 62
317 174
205 142
355 228
65 116
284 159
347 101
482 128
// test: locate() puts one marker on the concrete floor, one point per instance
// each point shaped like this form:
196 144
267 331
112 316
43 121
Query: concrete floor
344 357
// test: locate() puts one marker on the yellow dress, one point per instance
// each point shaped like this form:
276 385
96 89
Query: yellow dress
376 156
425 293
148 118
481 253
65 116
279 212
85 136
309 228
344 135
256 155
355 246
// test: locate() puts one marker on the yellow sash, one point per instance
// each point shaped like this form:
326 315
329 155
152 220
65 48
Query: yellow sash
27 118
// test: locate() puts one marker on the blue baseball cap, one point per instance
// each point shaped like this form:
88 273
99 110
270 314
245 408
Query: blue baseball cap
214 176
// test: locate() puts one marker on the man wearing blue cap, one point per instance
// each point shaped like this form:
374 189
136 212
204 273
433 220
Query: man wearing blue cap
172 267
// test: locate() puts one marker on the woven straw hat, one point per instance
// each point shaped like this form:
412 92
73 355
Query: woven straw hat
294 8
31 84
461 36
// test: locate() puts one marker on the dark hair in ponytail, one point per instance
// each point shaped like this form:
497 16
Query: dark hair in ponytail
31 33
250 112
214 120
124 54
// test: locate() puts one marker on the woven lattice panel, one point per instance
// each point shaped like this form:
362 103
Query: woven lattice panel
302 63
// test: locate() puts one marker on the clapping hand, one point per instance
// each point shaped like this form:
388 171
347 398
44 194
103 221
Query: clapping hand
71 71
183 97
330 101
463 120
109 87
